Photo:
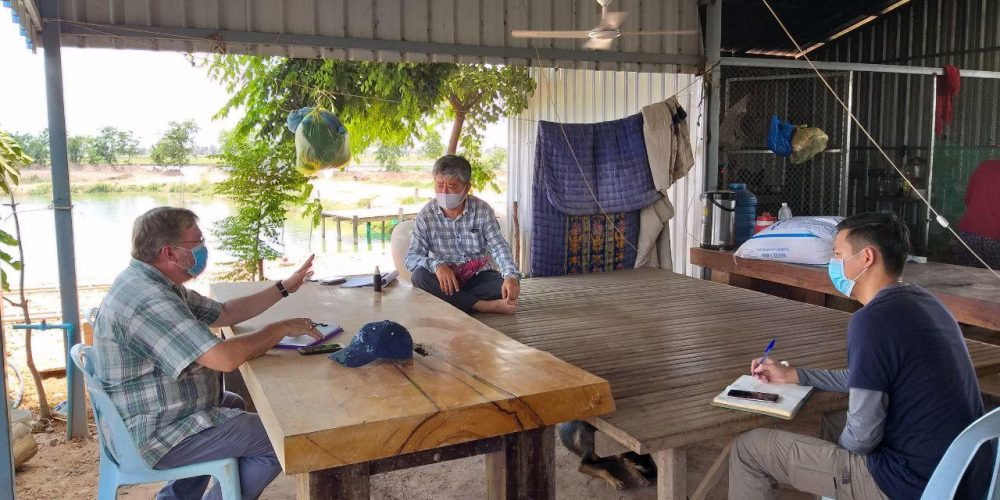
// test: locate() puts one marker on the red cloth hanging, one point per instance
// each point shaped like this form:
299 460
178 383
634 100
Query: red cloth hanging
947 87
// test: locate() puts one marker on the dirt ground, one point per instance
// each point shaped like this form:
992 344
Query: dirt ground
64 469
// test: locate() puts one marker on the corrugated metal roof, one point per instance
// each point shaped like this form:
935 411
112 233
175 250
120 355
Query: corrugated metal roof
469 31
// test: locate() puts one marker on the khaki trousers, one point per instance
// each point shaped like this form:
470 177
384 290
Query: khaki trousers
762 458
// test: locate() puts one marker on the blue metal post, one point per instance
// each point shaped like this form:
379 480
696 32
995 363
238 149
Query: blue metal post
61 202
6 441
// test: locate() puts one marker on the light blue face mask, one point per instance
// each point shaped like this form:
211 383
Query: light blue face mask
200 255
449 201
841 282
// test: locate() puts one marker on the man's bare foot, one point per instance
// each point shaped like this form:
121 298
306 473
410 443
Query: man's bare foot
499 306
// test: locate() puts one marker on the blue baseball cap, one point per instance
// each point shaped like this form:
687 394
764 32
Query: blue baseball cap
377 340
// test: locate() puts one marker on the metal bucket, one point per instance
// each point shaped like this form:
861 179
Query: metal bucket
718 220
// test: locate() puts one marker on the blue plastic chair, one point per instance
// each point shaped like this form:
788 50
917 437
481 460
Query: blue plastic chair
120 461
944 482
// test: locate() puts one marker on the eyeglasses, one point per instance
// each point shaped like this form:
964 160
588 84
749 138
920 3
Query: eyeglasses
199 241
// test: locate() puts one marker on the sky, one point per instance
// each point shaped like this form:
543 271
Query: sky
128 89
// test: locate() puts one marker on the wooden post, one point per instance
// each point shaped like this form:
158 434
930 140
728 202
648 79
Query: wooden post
671 474
354 231
349 482
322 219
383 233
524 468
339 237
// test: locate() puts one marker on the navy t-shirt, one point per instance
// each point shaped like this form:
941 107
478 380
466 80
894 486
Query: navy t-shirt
906 344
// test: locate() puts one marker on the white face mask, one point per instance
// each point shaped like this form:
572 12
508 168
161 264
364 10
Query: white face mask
450 201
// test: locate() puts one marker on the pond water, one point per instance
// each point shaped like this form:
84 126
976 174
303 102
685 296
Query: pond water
102 225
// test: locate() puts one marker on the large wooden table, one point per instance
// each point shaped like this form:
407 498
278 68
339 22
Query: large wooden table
971 294
669 344
476 392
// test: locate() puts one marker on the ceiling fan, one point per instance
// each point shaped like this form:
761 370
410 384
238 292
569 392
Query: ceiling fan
602 36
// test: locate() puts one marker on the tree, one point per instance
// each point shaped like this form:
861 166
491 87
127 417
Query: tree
35 145
378 102
77 147
262 185
11 157
479 95
112 146
177 144
433 147
388 156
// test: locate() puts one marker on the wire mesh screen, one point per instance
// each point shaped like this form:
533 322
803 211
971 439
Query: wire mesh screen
750 97
972 137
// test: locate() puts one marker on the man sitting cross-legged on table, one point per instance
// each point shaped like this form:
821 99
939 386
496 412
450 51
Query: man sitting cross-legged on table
911 384
160 364
454 237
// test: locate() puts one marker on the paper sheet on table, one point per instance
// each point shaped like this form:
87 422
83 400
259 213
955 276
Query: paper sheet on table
368 280
296 341
790 397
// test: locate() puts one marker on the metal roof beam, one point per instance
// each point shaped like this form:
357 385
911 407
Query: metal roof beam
842 66
215 37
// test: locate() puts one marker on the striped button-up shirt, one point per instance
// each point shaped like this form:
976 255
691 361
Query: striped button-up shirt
474 234
147 336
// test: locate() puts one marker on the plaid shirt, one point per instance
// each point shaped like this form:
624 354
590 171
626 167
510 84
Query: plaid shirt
473 234
148 333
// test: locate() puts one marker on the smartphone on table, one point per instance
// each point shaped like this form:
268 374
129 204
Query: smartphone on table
766 397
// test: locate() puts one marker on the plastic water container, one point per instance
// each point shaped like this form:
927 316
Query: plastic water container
785 212
746 213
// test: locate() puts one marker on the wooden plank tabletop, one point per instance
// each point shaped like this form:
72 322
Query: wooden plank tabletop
668 344
475 383
971 294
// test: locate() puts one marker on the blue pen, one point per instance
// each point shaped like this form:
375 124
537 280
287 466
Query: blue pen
767 350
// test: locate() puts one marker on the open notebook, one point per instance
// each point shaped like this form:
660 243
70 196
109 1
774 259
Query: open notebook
294 342
790 397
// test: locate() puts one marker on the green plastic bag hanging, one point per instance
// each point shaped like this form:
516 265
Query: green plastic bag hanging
806 143
321 140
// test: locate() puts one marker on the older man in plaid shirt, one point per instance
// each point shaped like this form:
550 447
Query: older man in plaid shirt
160 364
454 238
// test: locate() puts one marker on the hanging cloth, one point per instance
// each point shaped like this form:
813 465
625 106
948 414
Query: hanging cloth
581 169
948 84
668 145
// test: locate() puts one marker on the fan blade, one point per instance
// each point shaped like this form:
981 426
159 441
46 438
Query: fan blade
548 34
661 33
612 20
598 44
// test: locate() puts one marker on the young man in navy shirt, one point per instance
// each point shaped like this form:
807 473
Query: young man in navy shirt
911 384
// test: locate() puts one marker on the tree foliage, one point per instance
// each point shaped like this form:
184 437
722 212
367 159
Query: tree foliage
388 155
35 145
77 147
177 144
431 139
12 157
262 185
112 146
387 103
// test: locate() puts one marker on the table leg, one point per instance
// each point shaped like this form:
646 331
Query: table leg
349 482
524 468
323 223
671 474
713 475
337 221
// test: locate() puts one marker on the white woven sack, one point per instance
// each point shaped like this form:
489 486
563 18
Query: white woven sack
799 240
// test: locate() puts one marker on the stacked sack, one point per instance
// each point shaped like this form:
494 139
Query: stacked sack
320 140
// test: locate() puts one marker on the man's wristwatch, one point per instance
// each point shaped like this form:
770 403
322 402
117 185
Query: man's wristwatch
281 288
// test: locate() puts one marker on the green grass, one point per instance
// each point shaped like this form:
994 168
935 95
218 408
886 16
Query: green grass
413 200
107 188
